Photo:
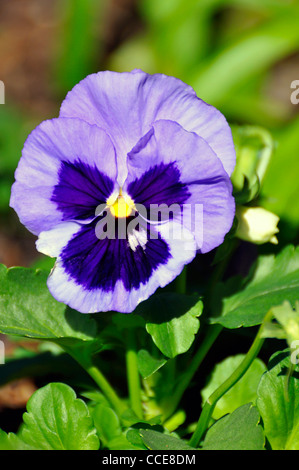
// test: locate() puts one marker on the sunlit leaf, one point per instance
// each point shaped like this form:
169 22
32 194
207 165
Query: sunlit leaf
278 403
57 420
106 423
172 321
246 302
242 392
28 309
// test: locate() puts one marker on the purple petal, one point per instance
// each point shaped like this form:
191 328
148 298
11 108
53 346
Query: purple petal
160 184
93 275
195 177
66 167
127 104
80 190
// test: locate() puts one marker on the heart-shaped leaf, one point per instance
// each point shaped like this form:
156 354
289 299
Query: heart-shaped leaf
172 321
28 309
148 364
107 423
278 403
237 431
57 420
246 302
244 391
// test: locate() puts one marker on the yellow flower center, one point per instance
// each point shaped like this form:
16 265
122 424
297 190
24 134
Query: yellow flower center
120 206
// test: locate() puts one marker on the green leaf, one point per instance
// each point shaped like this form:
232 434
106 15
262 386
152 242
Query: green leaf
134 438
43 262
148 364
278 403
110 431
171 320
237 431
28 309
246 302
95 397
244 391
121 443
254 148
57 420
133 434
107 423
11 441
155 440
4 441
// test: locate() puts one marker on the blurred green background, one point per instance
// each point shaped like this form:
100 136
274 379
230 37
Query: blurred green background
239 55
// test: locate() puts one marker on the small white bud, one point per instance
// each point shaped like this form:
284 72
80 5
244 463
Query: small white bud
256 225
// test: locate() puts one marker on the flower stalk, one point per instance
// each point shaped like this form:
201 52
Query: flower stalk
210 338
107 389
101 381
211 402
133 374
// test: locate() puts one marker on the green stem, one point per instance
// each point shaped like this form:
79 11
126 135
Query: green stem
212 333
102 383
106 388
133 375
211 402
287 381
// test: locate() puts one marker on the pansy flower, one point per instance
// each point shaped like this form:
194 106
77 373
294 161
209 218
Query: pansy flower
125 141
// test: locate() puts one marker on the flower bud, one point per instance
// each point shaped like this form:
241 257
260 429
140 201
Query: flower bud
256 225
254 149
